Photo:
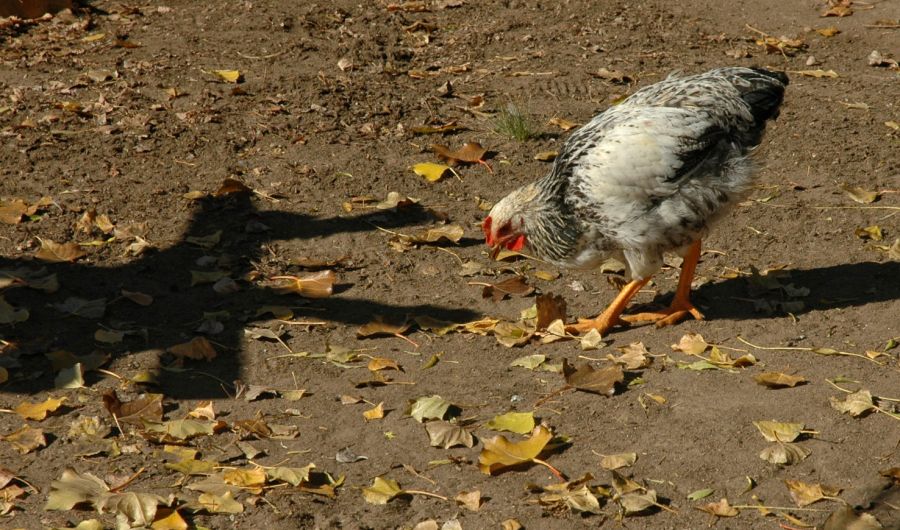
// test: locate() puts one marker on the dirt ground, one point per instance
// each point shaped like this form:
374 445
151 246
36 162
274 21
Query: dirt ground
117 109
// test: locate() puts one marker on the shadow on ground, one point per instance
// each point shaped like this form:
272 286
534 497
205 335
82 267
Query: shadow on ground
178 308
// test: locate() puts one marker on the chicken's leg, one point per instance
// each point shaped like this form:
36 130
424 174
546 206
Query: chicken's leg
681 305
611 316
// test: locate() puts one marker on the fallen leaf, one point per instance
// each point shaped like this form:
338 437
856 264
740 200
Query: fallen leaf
530 361
292 475
224 503
779 380
206 242
873 233
701 494
179 430
395 200
691 344
428 408
380 327
382 363
563 123
471 153
804 493
375 413
229 76
546 156
147 408
859 194
720 509
447 435
517 422
500 453
838 8
470 500
588 379
173 521
775 431
512 334
784 453
855 404
634 356
816 73
516 286
315 285
80 307
74 488
830 31
592 340
618 461
575 495
613 76
381 491
431 171
141 299
634 503
198 348
10 314
38 411
26 439
550 308
11 212
59 252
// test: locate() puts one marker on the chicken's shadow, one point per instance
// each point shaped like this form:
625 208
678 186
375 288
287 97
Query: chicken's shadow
758 297
178 307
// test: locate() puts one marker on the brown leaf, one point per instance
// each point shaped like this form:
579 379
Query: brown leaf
11 212
691 344
613 76
470 153
383 363
38 411
563 123
59 252
231 186
550 307
778 380
135 412
588 379
375 413
198 348
379 327
471 500
516 286
838 8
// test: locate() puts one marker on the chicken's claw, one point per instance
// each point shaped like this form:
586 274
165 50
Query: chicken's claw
674 314
602 325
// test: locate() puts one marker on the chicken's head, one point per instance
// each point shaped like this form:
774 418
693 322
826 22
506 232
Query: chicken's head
504 227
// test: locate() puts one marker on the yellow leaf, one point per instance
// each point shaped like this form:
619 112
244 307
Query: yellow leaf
499 453
382 363
860 195
830 31
38 411
563 123
471 500
720 509
381 491
816 73
546 156
199 348
229 76
93 37
173 521
431 171
778 380
776 431
375 413
691 344
517 422
251 479
224 503
618 460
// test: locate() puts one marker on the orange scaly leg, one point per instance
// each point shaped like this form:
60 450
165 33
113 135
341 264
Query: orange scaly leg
681 304
611 316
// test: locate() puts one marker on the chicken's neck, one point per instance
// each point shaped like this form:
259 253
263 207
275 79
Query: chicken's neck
551 228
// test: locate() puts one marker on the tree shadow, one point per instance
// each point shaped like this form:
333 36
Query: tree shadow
178 307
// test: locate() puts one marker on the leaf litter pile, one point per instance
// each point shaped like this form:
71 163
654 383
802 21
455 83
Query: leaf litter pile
323 338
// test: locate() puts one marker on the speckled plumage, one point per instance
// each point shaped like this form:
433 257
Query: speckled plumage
647 176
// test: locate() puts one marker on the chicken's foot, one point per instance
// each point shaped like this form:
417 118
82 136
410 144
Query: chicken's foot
681 305
611 316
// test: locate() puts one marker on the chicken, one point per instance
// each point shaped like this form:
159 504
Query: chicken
645 177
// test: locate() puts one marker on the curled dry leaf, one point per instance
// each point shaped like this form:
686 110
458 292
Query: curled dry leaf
778 380
859 194
470 500
512 334
855 404
499 453
316 285
26 439
618 461
381 327
375 413
231 186
575 495
838 8
429 408
381 491
137 411
816 73
691 344
229 76
471 153
550 308
563 123
776 431
588 379
784 453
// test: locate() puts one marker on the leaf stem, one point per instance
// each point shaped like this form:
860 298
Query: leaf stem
426 493
559 474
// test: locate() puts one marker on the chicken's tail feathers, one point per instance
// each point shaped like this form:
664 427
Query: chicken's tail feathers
763 91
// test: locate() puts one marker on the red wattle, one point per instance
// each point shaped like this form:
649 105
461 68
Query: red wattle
517 244
486 227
